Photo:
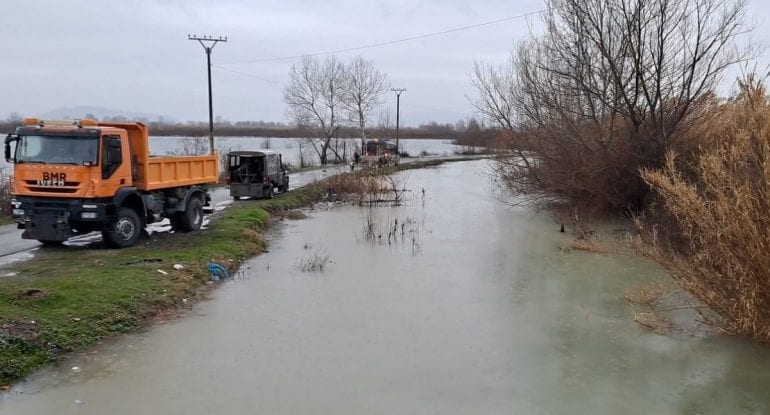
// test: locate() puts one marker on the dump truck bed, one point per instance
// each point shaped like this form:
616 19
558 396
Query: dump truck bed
163 172
157 173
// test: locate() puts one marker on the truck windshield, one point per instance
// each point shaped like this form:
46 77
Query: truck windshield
57 149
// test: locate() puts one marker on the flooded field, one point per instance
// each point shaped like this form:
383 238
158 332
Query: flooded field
453 303
290 147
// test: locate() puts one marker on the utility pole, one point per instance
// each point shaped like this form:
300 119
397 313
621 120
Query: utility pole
398 92
208 43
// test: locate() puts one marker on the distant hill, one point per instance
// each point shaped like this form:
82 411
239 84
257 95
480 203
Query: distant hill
104 114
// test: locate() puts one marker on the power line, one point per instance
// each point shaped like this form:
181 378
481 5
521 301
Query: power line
218 66
391 42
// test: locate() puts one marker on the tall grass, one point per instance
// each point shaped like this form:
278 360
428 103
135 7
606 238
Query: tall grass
718 246
5 196
366 187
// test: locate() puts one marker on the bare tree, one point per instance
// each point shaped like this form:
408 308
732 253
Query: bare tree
385 121
366 87
315 96
14 118
608 88
267 143
301 146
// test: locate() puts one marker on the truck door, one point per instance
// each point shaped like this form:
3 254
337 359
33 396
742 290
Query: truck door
112 158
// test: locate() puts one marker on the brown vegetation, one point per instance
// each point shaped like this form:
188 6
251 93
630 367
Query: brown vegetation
720 204
616 99
609 88
367 187
5 196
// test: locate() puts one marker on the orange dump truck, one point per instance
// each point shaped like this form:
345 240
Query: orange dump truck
72 178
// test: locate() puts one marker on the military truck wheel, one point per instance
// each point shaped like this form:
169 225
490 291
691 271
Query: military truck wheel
192 217
269 192
285 186
124 231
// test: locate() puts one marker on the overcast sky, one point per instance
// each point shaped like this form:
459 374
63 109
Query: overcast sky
135 56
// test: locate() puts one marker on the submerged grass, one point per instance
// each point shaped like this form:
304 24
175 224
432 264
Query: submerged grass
69 298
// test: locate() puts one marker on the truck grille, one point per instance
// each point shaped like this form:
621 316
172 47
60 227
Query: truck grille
68 187
52 189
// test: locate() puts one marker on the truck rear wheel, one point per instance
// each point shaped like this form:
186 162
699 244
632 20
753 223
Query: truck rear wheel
268 192
124 231
192 218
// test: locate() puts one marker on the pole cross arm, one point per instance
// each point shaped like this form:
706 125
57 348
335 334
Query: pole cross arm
208 43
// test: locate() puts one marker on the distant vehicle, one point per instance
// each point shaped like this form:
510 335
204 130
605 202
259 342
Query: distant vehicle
75 177
380 153
256 174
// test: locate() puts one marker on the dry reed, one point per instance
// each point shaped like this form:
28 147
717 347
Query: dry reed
720 205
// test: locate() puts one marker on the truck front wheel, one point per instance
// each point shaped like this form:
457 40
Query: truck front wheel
192 218
124 231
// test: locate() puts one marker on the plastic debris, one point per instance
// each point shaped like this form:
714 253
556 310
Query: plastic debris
75 369
178 266
218 272
163 272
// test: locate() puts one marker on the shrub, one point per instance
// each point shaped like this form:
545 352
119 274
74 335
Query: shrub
718 248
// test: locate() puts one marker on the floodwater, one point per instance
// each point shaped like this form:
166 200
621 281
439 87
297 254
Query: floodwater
288 147
474 309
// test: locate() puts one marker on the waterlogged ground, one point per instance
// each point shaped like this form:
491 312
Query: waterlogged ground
473 309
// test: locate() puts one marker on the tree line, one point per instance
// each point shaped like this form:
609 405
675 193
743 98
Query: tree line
467 131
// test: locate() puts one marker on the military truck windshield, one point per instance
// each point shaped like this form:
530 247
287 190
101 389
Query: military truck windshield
57 149
378 148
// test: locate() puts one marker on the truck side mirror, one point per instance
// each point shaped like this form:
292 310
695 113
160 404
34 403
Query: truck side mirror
8 140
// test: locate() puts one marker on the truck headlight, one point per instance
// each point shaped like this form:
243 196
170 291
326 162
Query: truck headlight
17 212
88 215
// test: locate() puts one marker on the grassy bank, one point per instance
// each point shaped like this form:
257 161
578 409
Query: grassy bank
69 298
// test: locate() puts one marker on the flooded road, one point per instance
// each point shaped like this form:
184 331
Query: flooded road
472 309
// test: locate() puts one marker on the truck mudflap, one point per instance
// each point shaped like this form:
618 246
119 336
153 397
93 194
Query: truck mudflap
54 228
